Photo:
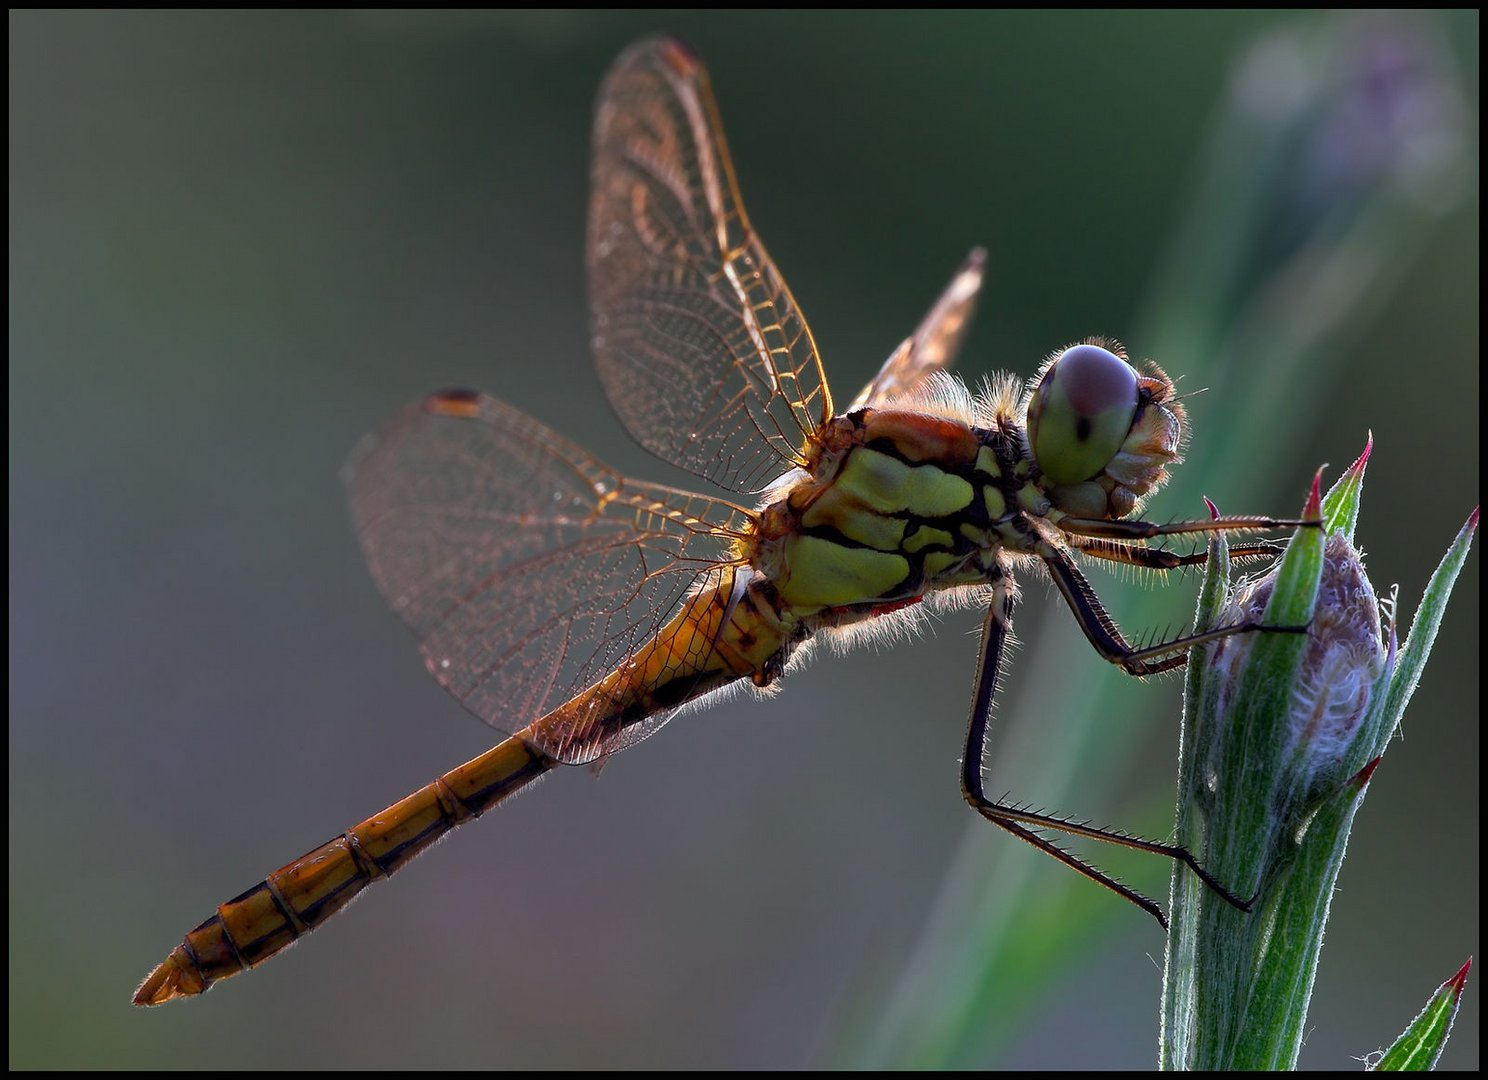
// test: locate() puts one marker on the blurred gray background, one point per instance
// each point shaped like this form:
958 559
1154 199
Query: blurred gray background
238 242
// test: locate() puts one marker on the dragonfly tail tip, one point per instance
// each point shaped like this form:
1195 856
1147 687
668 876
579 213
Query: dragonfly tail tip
176 977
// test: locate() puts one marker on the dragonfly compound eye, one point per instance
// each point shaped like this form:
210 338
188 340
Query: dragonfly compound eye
1081 413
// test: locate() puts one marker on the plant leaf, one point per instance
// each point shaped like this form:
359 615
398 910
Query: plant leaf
1421 1043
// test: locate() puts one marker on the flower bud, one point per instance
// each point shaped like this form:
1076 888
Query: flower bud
1335 681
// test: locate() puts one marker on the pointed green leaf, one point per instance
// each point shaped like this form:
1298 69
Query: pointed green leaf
1341 504
1425 625
1421 1043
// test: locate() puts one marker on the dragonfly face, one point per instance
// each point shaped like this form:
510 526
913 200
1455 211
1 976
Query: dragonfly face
577 608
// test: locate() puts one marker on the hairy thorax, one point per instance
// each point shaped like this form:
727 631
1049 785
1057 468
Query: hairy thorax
894 505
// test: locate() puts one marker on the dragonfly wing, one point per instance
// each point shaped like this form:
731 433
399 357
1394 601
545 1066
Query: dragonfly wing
527 569
699 344
936 340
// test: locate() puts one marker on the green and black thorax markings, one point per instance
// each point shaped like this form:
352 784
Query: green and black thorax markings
898 504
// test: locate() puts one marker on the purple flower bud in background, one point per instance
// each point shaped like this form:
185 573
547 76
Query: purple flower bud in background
1374 107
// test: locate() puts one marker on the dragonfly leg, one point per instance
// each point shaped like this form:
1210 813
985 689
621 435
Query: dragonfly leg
1130 529
1103 634
1159 558
1024 823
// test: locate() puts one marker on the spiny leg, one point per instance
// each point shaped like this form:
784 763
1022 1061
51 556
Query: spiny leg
1106 638
1159 558
1014 819
1127 529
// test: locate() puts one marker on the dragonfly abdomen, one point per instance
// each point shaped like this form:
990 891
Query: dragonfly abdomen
731 630
300 896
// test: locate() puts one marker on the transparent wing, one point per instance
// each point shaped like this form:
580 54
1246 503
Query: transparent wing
527 569
698 341
936 340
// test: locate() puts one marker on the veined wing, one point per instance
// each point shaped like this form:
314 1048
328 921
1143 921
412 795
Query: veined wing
936 340
698 342
527 569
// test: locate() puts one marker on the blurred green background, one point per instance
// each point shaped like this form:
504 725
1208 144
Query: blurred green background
238 242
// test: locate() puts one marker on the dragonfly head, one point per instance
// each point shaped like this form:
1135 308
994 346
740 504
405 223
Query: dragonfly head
1101 432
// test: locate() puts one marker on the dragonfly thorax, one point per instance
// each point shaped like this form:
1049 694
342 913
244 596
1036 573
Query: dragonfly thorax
896 504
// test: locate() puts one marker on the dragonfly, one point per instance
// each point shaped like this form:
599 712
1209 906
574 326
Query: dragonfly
579 610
